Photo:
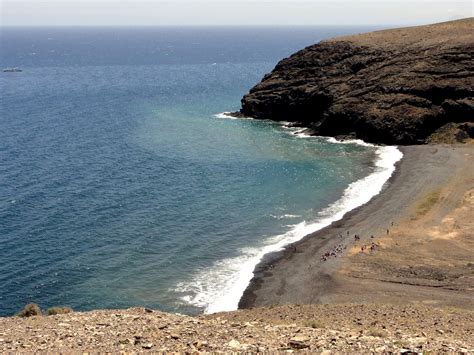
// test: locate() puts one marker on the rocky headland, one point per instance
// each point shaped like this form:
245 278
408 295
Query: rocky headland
403 86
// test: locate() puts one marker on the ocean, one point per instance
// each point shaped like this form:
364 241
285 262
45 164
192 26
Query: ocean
123 183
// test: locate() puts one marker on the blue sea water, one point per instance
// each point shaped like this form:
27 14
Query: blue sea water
120 183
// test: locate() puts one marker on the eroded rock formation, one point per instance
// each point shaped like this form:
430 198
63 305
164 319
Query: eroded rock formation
395 86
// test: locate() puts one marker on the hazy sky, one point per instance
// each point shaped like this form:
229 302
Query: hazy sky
230 12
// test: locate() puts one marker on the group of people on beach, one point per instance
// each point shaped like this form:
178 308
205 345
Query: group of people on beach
334 252
338 249
370 248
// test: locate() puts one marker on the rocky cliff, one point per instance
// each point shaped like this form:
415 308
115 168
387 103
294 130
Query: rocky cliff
394 87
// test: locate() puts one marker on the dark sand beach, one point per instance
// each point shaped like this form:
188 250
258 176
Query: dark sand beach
421 225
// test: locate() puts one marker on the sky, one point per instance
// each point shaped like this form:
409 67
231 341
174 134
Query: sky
229 12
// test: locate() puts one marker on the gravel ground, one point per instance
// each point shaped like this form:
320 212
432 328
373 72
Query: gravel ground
312 328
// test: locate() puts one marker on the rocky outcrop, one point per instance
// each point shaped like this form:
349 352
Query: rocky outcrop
393 87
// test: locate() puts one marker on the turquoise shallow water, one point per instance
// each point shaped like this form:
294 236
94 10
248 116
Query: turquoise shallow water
119 186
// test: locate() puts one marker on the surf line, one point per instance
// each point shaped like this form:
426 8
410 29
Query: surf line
220 287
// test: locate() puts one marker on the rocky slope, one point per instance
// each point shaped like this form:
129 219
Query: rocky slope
312 328
394 86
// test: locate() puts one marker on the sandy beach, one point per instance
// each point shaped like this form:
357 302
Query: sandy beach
415 243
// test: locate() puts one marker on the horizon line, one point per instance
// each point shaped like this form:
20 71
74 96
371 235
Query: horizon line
218 25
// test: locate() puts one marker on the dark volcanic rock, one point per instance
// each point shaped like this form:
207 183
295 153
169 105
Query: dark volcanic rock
396 86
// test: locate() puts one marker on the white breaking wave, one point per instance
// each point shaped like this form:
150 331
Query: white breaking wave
349 141
220 287
301 134
283 216
229 116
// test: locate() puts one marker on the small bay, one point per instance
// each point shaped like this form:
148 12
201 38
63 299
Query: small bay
120 183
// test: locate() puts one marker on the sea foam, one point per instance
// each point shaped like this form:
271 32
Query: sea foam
228 115
220 287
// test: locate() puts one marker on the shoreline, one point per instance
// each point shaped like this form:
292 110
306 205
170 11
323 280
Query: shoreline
298 275
248 298
355 194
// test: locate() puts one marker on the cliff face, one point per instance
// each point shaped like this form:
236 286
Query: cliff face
395 86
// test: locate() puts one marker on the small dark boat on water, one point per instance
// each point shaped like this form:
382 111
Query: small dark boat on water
12 70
